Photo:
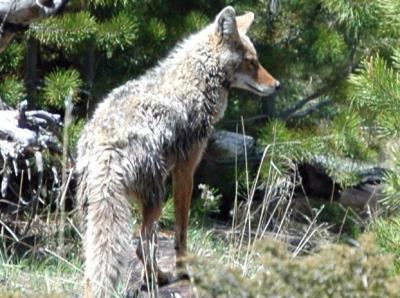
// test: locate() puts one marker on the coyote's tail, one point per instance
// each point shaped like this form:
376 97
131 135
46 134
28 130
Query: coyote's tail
107 221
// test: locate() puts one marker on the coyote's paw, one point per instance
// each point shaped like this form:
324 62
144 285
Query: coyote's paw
164 278
182 274
182 269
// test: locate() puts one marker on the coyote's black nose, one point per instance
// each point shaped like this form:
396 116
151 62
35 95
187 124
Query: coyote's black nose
277 85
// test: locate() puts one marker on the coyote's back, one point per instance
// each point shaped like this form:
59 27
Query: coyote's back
152 127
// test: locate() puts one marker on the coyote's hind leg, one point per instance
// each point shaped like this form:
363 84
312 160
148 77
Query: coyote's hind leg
146 250
182 187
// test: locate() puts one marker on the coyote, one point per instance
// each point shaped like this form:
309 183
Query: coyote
151 127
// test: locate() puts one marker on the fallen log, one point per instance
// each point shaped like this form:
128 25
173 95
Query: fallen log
16 15
227 151
319 183
24 135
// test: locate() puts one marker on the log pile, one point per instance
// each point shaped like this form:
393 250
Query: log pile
25 136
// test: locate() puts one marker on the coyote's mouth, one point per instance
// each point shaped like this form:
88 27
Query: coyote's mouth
258 91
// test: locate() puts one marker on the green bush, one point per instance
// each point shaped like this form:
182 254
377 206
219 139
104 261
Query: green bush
12 90
59 85
388 237
334 271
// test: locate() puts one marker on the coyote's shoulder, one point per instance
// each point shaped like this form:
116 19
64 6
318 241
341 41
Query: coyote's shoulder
156 125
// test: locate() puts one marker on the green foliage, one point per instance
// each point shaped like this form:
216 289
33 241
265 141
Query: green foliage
321 41
208 204
11 59
25 277
108 3
59 85
392 183
388 237
167 219
314 46
157 30
116 33
396 59
195 20
336 270
391 20
357 16
282 144
341 220
376 94
65 32
336 143
12 90
348 137
74 132
329 47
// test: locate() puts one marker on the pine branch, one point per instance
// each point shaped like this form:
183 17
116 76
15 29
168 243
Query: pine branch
351 66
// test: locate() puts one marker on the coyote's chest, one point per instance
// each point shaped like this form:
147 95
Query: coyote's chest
192 131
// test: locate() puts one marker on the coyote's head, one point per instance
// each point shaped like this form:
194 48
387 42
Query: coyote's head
238 55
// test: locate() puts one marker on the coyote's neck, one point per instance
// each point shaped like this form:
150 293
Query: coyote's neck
192 78
193 73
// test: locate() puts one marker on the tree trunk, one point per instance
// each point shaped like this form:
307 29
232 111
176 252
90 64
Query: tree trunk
31 66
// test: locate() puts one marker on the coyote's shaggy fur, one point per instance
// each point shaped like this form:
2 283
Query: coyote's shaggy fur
150 127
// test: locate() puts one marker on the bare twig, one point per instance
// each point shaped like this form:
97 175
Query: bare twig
65 180
300 104
314 107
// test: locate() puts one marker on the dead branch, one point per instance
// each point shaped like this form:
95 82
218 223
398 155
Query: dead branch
300 104
312 108
347 70
26 134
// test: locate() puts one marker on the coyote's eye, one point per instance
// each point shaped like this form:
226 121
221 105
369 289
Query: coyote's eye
252 63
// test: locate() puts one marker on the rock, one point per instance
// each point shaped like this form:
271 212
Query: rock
226 144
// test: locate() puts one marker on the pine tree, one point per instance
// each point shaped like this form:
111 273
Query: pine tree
337 61
375 94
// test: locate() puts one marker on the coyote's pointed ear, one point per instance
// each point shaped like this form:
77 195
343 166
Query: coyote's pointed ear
244 22
225 24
